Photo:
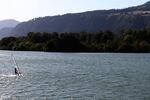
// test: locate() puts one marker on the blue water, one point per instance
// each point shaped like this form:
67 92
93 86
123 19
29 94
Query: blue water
75 76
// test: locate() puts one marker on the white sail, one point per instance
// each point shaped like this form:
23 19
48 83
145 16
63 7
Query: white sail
15 63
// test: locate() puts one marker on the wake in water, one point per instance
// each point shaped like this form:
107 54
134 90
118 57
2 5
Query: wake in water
8 75
6 81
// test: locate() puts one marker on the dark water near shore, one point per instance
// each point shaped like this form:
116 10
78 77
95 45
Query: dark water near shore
75 76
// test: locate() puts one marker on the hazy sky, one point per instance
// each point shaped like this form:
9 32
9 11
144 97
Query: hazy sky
23 10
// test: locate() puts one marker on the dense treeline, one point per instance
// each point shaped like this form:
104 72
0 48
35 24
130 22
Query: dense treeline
128 41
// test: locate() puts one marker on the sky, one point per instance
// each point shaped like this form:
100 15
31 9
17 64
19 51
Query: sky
23 10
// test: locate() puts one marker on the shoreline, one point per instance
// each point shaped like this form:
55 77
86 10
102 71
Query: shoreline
70 51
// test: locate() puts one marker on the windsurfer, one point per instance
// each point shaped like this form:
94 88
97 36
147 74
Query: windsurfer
17 71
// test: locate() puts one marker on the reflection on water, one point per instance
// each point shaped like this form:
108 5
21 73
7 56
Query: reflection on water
77 76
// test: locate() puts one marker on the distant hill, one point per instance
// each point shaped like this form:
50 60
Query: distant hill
8 23
6 27
6 32
114 20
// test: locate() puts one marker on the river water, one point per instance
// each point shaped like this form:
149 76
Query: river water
75 76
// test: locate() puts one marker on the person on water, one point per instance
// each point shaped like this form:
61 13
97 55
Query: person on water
16 71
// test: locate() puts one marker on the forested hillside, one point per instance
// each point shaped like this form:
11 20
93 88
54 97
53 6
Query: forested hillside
114 20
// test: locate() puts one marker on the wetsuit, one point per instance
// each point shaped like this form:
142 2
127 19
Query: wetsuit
16 71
